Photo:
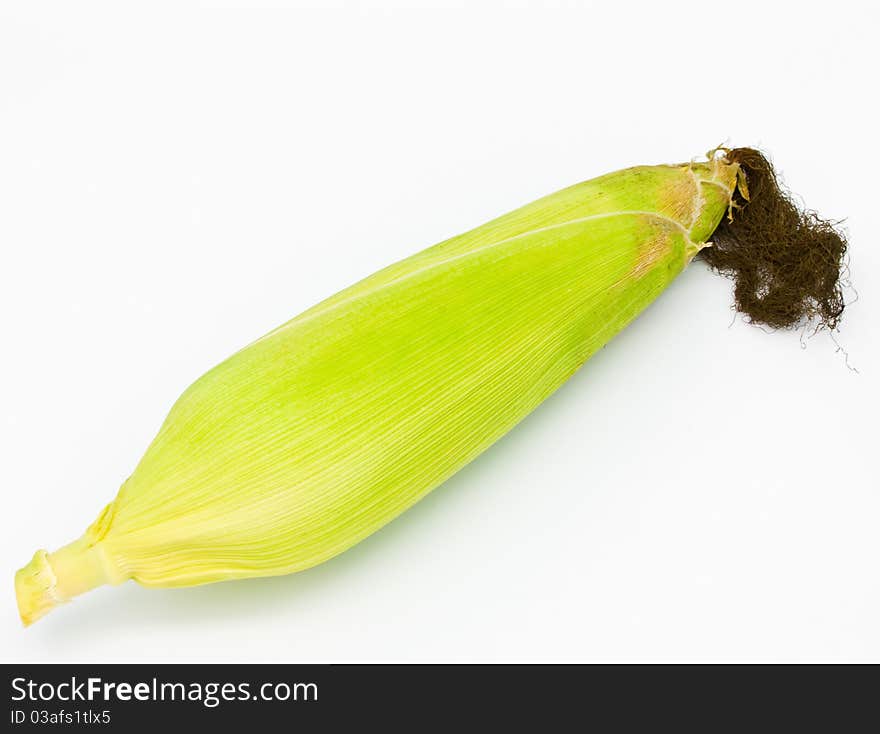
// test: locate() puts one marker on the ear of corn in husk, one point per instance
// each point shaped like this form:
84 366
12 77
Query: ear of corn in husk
317 434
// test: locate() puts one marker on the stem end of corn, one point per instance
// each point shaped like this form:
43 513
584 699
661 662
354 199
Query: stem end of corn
52 579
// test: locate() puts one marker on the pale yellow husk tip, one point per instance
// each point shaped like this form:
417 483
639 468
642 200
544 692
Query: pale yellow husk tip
52 579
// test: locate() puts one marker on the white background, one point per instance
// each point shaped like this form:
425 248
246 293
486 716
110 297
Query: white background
176 180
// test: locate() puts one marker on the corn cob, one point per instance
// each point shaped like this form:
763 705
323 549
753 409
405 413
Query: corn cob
314 436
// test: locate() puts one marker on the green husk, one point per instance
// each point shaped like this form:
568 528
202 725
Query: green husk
322 431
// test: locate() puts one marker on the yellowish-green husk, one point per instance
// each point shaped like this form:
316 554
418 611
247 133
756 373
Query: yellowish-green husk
322 431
